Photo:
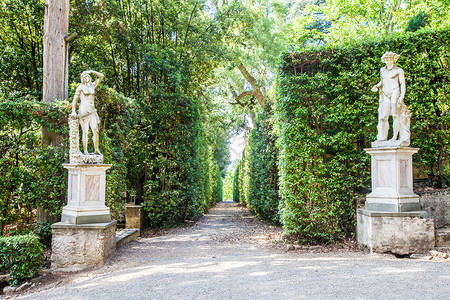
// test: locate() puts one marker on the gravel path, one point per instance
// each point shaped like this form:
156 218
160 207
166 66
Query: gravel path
229 254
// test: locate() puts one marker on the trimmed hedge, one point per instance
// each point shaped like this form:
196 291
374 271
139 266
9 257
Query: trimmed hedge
256 179
181 174
327 115
21 256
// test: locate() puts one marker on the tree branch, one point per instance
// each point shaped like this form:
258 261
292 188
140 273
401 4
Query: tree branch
256 88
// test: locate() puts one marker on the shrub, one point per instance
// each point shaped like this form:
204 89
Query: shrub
31 174
21 256
44 232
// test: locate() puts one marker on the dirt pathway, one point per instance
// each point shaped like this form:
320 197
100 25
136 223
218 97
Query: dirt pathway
229 254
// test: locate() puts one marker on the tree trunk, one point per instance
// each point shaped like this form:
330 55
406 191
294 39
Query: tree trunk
55 66
56 26
55 58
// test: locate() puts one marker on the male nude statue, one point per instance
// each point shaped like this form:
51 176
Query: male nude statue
87 114
392 90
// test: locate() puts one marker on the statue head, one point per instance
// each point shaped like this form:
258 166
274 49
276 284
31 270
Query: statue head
85 78
390 58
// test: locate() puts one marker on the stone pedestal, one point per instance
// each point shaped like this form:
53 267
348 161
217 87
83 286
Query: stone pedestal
86 194
392 220
400 233
134 217
392 180
75 247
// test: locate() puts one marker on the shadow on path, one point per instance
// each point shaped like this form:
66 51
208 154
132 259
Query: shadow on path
227 255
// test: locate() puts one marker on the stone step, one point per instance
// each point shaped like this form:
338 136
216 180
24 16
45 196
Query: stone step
125 236
443 237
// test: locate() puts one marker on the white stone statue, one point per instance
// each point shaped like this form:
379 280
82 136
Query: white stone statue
87 117
392 89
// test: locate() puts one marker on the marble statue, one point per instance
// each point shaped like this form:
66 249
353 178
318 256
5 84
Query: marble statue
392 89
87 118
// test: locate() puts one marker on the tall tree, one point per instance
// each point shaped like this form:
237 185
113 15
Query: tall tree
21 46
55 58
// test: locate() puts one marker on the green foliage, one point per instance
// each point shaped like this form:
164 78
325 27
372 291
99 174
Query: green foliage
21 46
162 53
181 174
118 135
243 179
31 173
21 257
326 116
236 195
141 45
418 21
263 170
44 232
256 178
344 21
228 184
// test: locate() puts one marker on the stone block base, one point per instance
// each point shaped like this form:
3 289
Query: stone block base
134 217
400 233
76 247
443 237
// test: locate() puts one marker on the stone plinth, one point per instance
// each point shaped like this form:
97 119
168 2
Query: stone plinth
392 180
134 217
400 233
86 194
75 247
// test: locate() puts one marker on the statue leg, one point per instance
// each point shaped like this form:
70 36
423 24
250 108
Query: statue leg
95 133
395 115
395 126
383 120
84 135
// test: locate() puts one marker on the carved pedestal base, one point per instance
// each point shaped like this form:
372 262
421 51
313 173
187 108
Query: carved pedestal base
392 180
392 220
86 195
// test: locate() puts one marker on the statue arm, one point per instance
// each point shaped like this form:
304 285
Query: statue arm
379 84
376 87
99 79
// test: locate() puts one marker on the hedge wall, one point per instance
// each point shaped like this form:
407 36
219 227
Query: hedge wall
327 115
181 175
256 179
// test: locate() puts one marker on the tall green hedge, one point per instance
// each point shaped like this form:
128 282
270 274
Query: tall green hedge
256 179
236 195
327 115
181 174
118 116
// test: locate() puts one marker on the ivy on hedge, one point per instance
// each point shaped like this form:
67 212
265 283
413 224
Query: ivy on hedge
326 116
21 257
